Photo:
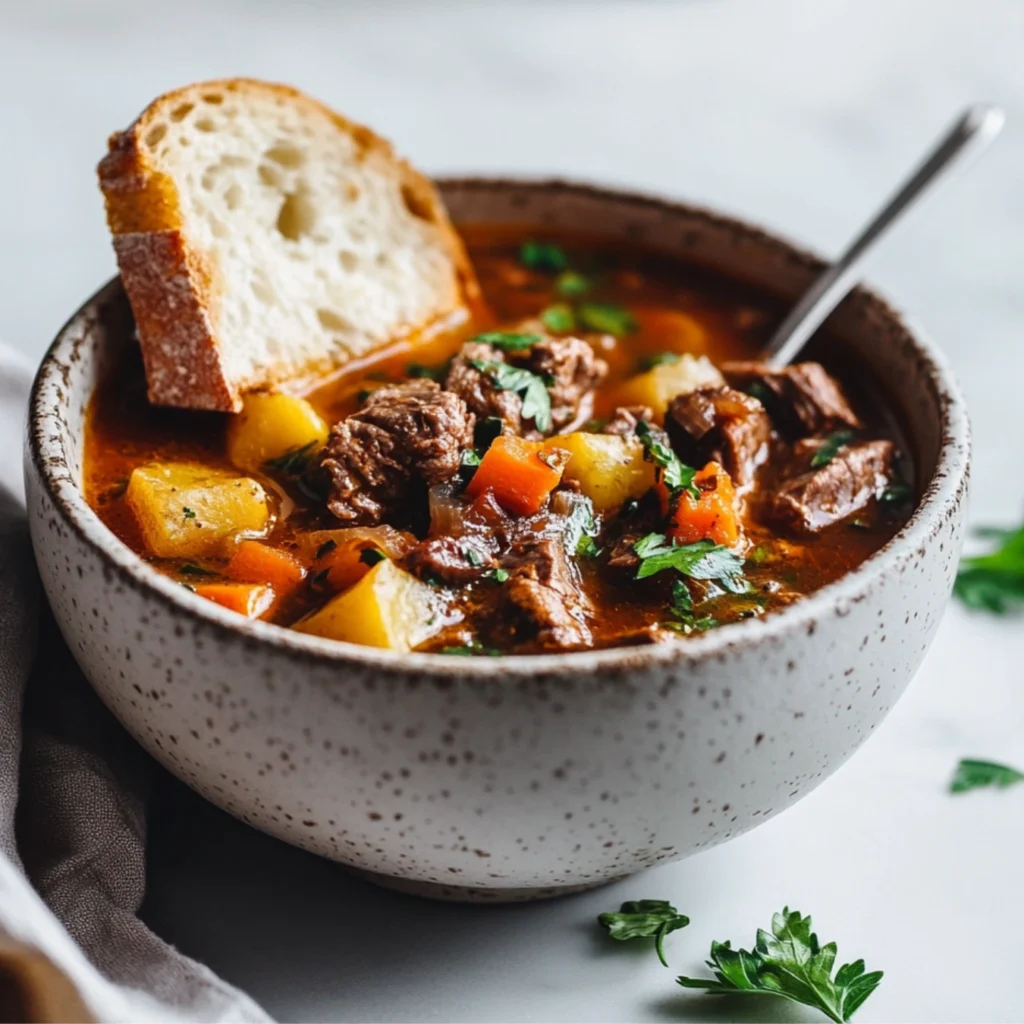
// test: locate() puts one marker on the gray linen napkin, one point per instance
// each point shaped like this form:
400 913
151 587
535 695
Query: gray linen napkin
73 789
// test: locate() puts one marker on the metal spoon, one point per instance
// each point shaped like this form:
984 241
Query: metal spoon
975 129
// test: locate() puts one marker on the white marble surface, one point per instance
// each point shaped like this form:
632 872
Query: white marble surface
800 114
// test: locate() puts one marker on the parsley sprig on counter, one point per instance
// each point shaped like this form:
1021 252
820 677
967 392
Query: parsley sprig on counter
972 774
789 962
644 919
994 582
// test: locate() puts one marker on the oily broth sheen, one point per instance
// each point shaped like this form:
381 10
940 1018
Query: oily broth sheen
666 296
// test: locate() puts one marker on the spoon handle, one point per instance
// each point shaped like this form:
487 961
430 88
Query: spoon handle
974 130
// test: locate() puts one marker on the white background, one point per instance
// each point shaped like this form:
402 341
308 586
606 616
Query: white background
798 114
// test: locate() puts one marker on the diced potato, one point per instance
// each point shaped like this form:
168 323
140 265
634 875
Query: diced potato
270 426
659 385
609 469
388 607
189 511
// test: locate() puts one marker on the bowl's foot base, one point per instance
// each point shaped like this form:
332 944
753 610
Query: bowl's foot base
469 894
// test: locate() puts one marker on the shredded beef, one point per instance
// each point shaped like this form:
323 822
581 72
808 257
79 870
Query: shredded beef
452 560
802 398
545 592
721 424
625 419
811 501
567 364
574 372
406 433
479 392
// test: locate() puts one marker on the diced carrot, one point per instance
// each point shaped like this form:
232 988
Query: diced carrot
342 557
714 516
254 562
249 599
519 473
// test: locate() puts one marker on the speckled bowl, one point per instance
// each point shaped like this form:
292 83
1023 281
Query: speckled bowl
508 778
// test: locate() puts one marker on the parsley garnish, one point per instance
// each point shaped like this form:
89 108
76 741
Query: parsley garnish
559 318
529 386
543 256
473 557
508 341
658 359
682 610
994 582
571 282
191 569
676 475
972 774
371 556
702 560
606 317
581 528
418 370
471 650
293 462
644 919
188 513
497 575
789 962
896 495
326 548
830 448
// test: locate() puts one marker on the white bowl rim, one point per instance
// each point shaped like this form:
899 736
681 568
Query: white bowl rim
943 493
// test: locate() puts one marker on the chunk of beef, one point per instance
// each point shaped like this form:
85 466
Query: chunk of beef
625 419
574 372
407 433
811 501
479 392
452 560
568 365
721 424
622 556
545 592
802 398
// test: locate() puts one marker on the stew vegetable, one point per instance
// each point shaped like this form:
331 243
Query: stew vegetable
606 464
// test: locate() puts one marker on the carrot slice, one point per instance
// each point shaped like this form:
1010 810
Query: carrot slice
519 473
714 516
254 562
249 599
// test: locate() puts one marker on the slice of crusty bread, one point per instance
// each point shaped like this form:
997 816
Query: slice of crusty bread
261 236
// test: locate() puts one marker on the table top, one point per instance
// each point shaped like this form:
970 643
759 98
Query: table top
800 114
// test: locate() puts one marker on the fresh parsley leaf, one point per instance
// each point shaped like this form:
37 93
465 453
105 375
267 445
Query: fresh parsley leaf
571 282
676 475
529 386
587 548
971 774
644 919
474 649
789 962
559 318
831 447
497 575
326 548
606 317
896 495
702 560
543 256
191 569
188 513
507 341
581 527
994 582
371 556
473 557
658 359
293 462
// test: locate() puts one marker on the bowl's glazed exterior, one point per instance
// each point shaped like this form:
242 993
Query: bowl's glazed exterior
508 777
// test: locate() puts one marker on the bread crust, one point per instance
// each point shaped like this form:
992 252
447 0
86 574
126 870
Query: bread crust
172 287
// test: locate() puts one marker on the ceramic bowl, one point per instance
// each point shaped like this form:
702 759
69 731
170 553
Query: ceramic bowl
508 778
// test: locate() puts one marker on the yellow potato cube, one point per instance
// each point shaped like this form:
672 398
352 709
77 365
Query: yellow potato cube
271 425
388 608
659 385
189 511
609 469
